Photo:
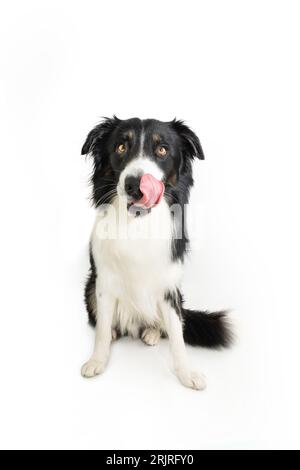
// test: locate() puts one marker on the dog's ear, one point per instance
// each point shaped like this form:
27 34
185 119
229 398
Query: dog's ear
190 143
97 134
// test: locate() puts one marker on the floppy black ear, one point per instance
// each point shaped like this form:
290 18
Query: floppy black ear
97 134
190 142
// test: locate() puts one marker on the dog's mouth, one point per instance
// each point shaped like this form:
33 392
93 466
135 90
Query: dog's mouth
137 210
152 191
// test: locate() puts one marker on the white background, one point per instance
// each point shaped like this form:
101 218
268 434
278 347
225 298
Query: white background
231 69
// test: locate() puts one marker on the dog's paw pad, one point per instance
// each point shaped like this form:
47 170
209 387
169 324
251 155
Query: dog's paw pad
150 336
192 379
92 368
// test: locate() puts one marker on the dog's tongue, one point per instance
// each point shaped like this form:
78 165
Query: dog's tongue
152 190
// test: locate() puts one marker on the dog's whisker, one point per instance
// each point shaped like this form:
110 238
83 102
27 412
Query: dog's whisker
106 196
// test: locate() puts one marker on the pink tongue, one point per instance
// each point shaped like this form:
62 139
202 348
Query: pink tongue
152 190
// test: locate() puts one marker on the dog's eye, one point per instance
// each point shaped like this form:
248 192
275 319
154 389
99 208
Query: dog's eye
121 148
161 151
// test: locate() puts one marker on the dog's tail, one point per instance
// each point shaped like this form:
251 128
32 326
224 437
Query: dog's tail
211 330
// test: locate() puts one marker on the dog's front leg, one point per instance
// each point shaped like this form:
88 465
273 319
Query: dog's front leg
99 358
174 330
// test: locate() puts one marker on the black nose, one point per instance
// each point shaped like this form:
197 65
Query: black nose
132 187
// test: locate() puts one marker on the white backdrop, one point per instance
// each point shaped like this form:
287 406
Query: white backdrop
231 69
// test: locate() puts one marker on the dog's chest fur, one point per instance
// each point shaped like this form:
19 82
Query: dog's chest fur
135 265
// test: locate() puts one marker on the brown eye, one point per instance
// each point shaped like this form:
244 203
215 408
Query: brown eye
121 148
161 151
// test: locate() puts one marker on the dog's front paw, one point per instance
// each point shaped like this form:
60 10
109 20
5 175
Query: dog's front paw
92 368
192 379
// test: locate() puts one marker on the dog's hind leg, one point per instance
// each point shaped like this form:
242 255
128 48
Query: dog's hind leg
151 336
90 292
90 299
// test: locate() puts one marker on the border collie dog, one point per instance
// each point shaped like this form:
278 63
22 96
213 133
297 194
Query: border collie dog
141 180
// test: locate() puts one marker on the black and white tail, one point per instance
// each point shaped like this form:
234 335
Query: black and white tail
211 330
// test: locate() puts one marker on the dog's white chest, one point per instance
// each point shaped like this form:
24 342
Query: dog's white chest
135 265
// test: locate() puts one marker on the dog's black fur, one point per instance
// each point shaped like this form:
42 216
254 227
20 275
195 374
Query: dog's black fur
182 144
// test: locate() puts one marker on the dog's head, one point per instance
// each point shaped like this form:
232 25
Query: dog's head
125 150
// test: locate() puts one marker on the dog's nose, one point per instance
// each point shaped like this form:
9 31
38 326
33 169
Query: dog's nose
132 187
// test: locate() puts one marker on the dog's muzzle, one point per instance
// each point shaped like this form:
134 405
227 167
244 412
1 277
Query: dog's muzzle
132 187
145 192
